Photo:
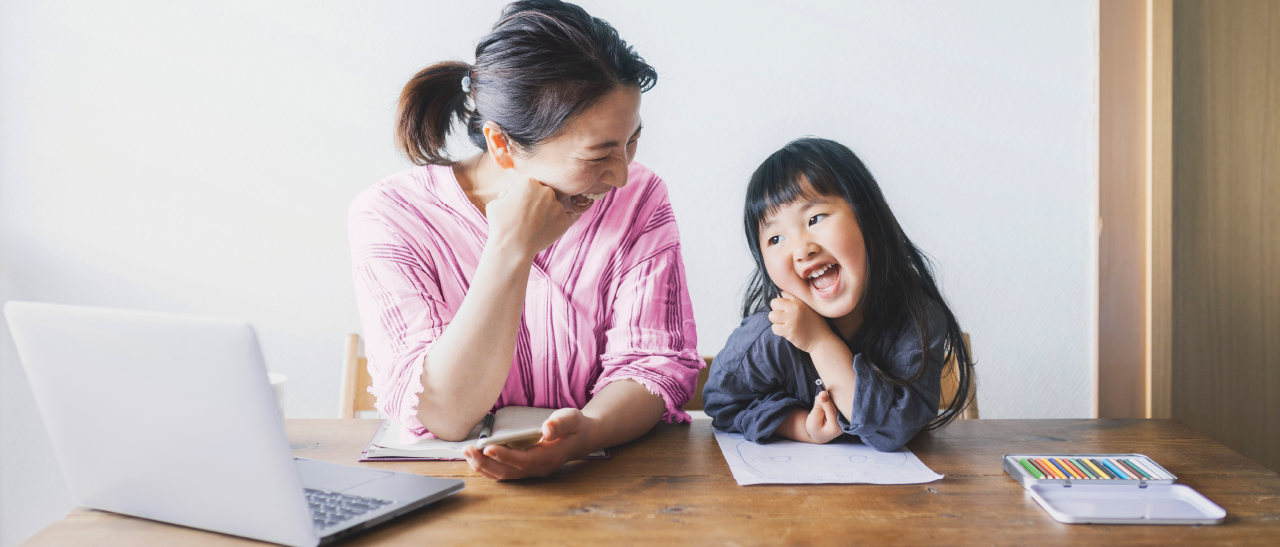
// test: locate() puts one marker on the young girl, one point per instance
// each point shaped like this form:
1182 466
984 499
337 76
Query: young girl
845 331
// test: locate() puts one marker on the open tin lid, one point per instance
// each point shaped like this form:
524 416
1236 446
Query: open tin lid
1119 504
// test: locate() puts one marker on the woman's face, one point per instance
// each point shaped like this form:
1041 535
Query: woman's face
591 154
813 249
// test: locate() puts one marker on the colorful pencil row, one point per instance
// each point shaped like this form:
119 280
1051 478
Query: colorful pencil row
1093 468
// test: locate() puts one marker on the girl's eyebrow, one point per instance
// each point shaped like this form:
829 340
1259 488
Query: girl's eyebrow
815 201
819 200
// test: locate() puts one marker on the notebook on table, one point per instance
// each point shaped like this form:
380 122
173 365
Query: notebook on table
387 447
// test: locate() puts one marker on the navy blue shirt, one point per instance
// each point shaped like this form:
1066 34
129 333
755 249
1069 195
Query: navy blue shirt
759 378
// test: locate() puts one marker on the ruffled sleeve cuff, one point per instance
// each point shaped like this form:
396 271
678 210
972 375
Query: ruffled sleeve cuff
672 377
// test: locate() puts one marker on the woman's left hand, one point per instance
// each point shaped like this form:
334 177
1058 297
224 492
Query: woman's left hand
562 436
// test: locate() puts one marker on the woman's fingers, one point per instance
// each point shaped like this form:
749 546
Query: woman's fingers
517 459
489 467
555 427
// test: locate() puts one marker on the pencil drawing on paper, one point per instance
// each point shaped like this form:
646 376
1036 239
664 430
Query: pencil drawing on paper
803 463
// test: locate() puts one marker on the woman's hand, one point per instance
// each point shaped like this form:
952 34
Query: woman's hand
528 218
562 436
821 423
799 324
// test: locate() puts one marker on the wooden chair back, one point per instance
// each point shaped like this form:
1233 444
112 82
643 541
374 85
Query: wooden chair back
951 386
356 401
695 402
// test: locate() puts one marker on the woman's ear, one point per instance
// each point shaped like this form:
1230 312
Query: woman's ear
499 148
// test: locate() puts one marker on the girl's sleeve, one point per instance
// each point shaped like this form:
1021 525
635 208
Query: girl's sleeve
402 314
651 336
746 392
886 416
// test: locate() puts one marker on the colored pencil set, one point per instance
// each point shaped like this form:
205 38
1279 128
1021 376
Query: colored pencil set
1093 468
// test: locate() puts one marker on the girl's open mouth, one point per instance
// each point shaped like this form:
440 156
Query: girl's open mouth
825 281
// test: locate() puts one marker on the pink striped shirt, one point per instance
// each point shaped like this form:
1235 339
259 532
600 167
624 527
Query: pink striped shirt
606 302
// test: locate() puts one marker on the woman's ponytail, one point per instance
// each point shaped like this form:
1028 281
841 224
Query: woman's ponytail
431 103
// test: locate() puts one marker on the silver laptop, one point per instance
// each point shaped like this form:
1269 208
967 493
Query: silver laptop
171 418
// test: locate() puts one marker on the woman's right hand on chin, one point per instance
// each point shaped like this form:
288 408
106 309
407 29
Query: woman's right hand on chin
527 218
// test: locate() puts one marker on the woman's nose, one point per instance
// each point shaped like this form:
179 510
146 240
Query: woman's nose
616 174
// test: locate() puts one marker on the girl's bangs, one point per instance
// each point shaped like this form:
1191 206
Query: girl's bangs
785 178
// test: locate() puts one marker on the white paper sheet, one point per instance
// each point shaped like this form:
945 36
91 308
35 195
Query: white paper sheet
790 462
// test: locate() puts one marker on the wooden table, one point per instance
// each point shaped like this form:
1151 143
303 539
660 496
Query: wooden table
672 487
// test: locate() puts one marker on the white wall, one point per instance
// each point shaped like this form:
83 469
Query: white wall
199 156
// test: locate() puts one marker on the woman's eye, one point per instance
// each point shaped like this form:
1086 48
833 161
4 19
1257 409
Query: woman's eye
816 219
598 160
774 240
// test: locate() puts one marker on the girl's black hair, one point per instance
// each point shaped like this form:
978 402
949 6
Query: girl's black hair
543 62
900 285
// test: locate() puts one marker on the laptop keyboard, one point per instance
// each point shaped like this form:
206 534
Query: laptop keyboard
330 508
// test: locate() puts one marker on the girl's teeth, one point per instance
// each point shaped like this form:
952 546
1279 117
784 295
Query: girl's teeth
594 197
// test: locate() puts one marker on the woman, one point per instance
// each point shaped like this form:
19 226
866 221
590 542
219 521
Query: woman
543 271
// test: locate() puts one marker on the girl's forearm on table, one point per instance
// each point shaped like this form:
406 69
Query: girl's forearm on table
793 426
834 362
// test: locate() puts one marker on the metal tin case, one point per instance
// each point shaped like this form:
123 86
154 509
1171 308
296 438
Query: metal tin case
1115 501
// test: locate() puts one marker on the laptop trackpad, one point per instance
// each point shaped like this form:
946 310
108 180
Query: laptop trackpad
333 477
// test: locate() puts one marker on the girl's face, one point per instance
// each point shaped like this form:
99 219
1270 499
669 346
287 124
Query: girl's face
591 154
813 249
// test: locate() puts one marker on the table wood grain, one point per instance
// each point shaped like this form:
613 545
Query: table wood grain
672 487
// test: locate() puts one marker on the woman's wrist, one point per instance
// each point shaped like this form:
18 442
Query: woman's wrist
507 256
586 440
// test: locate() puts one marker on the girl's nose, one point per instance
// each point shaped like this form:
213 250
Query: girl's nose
805 250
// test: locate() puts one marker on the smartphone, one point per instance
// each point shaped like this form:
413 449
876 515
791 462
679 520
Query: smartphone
518 440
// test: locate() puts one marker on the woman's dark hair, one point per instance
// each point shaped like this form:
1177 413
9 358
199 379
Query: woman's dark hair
544 61
900 285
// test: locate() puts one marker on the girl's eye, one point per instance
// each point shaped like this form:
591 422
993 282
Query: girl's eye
774 240
598 160
817 218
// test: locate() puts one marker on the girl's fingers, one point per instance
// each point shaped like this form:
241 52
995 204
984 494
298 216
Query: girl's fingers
816 416
829 410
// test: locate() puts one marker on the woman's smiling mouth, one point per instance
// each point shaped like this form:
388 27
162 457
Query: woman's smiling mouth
585 199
